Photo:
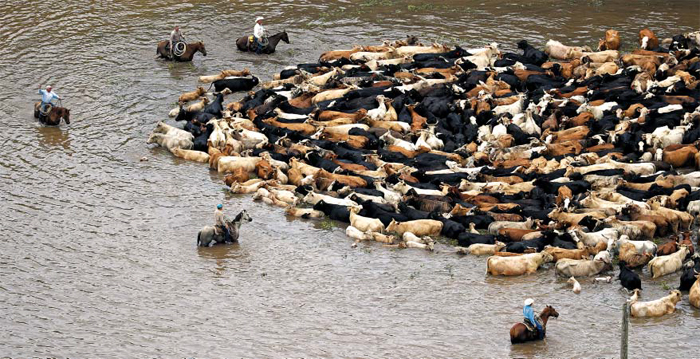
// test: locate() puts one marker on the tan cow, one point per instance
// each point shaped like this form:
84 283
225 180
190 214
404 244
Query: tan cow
561 253
662 265
654 308
419 227
583 267
519 265
694 296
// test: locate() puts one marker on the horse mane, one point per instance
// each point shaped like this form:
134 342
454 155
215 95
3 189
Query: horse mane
238 217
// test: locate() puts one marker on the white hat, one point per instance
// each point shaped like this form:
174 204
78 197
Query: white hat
259 18
529 301
49 87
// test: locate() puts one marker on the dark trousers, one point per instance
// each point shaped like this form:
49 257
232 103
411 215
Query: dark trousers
227 234
257 45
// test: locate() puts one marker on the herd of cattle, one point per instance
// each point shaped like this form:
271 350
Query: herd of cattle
541 156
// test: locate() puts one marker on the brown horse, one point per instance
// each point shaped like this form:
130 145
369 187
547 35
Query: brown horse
520 334
53 118
244 44
192 48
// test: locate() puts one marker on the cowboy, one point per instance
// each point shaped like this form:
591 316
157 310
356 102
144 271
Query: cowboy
529 314
220 222
175 37
259 35
47 96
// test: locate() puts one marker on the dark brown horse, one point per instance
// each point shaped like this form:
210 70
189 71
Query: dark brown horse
244 44
192 48
520 334
54 116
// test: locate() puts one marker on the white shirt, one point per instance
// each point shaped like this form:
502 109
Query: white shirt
258 31
219 217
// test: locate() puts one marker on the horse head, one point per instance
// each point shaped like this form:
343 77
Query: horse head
284 37
549 311
65 114
242 217
200 46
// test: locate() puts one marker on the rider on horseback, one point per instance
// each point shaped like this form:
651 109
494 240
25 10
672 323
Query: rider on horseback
259 36
220 222
530 319
175 37
47 96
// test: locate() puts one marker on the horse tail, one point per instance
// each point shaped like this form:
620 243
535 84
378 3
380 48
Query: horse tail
210 85
199 240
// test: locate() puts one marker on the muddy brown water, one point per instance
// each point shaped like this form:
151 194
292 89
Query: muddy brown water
97 252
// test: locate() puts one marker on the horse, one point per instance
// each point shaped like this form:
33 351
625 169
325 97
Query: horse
243 43
192 48
54 115
520 334
209 236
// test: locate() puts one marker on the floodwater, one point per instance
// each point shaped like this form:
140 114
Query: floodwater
97 249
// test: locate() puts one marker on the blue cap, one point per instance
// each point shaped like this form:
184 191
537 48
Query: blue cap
219 206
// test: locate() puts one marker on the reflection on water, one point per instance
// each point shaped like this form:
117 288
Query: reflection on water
90 235
54 136
223 256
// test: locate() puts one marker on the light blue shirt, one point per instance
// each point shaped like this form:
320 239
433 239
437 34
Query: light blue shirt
529 313
47 97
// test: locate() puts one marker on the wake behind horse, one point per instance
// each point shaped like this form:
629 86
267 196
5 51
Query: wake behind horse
190 51
244 43
53 116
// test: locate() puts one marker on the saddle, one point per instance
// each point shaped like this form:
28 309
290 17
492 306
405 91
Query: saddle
530 326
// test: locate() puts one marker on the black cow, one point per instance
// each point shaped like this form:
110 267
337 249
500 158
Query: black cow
236 84
333 211
628 278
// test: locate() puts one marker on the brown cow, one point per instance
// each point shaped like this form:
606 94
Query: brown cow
563 193
352 181
333 115
611 41
304 128
338 54
647 39
264 170
686 241
667 248
193 95
559 253
514 234
417 121
680 157
629 254
239 175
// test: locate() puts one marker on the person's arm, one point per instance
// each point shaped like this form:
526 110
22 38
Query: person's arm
56 95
